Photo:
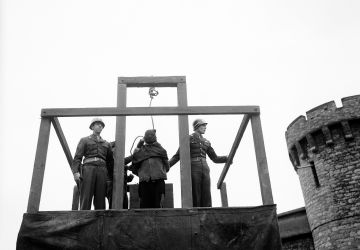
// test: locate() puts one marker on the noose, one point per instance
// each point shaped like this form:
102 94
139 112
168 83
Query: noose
152 93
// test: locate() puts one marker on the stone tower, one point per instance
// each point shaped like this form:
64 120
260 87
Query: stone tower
324 149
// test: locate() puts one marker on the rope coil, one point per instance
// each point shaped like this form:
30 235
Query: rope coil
152 93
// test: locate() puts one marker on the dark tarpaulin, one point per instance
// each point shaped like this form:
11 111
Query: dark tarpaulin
195 228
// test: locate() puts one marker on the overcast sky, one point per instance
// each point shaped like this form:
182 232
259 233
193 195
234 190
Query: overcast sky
285 56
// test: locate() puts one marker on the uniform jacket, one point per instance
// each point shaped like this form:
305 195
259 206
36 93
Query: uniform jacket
199 147
90 147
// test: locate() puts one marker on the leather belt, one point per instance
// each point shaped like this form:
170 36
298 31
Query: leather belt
93 159
197 158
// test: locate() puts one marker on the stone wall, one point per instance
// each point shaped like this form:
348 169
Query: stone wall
295 231
303 242
324 149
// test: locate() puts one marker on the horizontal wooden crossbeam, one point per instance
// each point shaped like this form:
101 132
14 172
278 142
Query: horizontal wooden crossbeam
145 111
163 81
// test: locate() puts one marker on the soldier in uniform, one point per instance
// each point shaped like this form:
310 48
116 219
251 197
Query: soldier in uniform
92 160
200 172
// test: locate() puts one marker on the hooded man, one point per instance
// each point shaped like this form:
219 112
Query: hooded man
150 163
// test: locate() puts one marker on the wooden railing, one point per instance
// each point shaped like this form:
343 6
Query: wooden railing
263 172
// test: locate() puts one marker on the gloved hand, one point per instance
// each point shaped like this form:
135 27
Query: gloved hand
77 176
133 169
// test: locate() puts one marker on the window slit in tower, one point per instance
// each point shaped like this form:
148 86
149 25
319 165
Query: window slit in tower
313 169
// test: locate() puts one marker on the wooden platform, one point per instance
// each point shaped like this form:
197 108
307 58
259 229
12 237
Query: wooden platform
195 228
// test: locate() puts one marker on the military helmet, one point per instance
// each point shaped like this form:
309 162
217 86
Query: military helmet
96 119
198 122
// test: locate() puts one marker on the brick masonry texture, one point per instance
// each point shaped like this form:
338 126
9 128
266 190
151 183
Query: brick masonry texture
324 149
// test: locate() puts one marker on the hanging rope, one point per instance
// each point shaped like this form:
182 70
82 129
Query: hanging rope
152 93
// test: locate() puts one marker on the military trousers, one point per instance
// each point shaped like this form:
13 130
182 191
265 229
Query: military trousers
93 186
200 179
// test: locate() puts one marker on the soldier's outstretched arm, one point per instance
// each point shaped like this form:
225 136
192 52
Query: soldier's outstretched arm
174 159
214 157
128 159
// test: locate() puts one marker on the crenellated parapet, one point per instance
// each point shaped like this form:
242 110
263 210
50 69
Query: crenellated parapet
324 148
302 135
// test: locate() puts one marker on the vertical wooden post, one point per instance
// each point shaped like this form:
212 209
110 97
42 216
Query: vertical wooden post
223 193
39 166
118 182
263 171
185 164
